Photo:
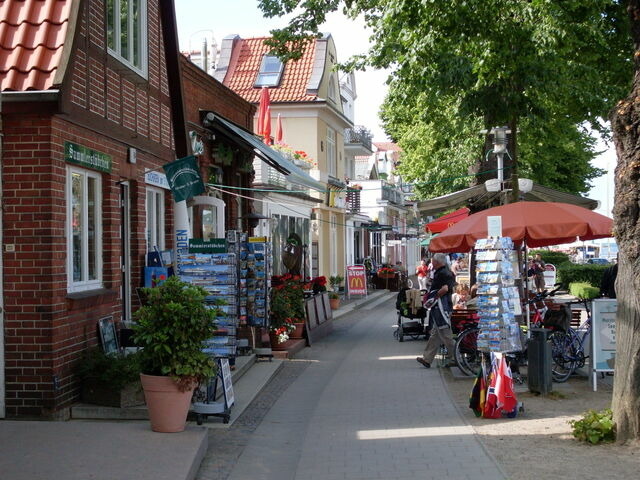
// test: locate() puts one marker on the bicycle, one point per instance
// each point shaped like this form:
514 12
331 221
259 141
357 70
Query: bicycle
469 358
567 348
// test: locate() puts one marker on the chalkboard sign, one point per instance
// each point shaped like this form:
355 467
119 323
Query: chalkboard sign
227 385
108 337
603 337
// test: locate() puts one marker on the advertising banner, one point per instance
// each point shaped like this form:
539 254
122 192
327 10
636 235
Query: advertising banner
184 178
356 280
603 337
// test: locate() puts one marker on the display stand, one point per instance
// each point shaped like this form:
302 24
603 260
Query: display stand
498 298
210 407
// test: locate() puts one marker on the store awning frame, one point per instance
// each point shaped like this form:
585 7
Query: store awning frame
267 154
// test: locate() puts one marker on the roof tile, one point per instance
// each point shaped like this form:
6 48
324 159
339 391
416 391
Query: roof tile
244 71
32 34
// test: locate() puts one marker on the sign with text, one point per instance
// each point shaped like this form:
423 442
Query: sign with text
213 245
549 275
157 179
184 178
603 336
494 226
86 157
356 280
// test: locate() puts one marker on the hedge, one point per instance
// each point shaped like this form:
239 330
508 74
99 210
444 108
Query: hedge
555 258
570 273
584 290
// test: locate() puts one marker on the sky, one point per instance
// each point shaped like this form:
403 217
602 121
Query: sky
196 18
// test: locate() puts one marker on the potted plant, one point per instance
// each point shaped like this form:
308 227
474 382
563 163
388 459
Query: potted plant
334 300
171 327
335 281
287 308
111 380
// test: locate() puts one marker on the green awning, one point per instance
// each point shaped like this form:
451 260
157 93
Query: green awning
270 156
425 242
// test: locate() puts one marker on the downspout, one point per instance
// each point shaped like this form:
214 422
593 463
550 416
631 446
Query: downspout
181 139
2 363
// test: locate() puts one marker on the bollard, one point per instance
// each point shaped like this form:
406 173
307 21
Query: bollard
539 353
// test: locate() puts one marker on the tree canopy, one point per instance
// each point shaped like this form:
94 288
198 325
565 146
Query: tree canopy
542 67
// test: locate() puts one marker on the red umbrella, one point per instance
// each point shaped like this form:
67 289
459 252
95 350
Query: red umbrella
267 126
537 224
278 137
446 221
263 111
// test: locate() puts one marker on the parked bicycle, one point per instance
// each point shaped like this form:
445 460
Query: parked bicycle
567 348
469 358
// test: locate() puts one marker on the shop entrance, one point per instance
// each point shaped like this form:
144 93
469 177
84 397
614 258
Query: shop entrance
125 257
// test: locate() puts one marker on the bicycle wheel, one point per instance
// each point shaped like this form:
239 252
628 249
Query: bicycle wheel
563 355
466 354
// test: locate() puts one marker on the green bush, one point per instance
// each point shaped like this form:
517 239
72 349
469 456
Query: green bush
114 370
595 427
570 273
584 290
555 258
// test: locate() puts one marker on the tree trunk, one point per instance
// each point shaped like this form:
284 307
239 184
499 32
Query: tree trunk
625 121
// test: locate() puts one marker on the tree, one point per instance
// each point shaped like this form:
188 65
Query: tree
578 38
624 121
519 63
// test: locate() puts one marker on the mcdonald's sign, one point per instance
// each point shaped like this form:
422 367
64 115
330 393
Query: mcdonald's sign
356 280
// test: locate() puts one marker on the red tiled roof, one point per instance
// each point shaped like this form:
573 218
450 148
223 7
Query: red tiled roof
387 146
245 65
32 34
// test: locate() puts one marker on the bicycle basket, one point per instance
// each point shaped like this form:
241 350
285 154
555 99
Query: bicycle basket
558 318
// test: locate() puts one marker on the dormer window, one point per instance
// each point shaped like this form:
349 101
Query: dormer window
127 32
270 72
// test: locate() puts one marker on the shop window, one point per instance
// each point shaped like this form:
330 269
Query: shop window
270 72
332 166
84 230
206 217
127 33
155 219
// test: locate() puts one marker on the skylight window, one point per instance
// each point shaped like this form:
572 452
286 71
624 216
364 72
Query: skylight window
270 72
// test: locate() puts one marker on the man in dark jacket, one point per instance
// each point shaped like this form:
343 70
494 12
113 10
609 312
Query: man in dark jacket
608 283
440 307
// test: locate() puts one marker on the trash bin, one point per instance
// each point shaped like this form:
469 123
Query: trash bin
539 353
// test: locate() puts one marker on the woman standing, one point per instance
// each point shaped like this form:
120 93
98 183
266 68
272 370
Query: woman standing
422 271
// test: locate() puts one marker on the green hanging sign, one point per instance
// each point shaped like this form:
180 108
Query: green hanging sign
213 245
86 157
184 178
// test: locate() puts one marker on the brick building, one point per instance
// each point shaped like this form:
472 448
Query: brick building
86 111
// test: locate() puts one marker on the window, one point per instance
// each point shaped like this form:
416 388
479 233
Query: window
155 219
84 235
332 166
270 72
127 32
332 89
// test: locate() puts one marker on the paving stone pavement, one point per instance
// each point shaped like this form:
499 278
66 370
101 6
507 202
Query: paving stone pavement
355 405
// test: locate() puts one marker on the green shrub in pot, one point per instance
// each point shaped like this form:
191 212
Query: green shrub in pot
171 327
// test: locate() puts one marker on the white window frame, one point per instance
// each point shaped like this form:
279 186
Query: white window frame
212 202
116 49
155 229
84 284
269 78
332 154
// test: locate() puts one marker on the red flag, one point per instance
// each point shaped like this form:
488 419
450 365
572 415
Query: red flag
507 401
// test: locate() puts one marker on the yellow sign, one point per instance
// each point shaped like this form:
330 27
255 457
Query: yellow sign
257 239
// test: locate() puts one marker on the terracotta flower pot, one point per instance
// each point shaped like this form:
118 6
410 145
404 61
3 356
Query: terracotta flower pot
298 332
278 346
334 303
168 406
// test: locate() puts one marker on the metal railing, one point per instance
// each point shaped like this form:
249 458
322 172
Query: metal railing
358 135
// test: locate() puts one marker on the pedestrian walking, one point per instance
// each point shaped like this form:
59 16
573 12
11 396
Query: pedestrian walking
439 305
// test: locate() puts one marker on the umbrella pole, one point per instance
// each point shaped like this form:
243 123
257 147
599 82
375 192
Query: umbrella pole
526 290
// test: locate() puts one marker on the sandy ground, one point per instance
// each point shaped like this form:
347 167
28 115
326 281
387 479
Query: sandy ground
538 444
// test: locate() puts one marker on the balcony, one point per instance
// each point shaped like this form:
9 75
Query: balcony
269 177
357 141
392 194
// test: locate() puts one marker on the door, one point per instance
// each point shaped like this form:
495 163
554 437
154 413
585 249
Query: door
125 249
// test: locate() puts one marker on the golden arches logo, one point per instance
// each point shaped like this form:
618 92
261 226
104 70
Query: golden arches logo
356 282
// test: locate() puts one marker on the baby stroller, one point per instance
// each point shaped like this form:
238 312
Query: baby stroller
410 320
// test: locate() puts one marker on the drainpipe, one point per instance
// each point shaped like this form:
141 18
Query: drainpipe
2 379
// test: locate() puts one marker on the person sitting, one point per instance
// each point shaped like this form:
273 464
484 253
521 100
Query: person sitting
460 297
